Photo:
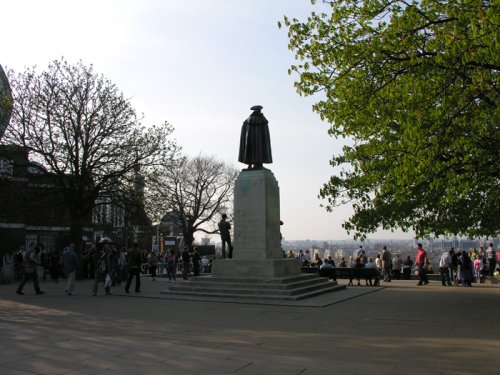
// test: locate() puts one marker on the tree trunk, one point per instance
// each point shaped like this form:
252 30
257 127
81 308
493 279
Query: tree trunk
188 239
188 234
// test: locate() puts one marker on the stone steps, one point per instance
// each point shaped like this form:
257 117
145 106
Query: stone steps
287 288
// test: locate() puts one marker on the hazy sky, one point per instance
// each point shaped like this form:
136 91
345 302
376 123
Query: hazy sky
200 65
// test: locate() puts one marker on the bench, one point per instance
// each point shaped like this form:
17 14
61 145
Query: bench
370 275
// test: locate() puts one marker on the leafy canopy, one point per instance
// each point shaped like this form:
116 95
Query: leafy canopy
414 85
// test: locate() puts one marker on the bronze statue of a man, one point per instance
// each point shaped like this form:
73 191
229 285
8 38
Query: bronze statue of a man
255 143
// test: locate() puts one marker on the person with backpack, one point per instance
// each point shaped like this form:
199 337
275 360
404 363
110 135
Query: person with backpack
102 268
30 264
465 269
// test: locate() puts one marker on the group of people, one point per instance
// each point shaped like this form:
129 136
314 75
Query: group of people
462 268
456 267
107 265
31 260
46 261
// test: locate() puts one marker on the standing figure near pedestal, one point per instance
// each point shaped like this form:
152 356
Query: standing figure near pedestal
255 142
225 236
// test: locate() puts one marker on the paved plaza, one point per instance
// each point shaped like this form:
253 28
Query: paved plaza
397 329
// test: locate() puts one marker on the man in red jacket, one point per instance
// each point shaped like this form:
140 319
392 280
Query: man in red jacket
421 263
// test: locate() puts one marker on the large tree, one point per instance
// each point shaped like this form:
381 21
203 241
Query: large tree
414 87
85 133
196 189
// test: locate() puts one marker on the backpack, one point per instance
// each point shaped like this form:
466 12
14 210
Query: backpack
101 265
171 260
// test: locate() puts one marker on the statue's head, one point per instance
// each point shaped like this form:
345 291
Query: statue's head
6 102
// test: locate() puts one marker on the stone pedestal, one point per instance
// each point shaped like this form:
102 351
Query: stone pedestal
257 216
257 244
257 270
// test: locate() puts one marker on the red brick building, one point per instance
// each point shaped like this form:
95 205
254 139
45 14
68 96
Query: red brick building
31 210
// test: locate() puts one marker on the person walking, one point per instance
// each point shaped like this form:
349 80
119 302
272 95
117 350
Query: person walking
71 263
153 265
171 265
444 267
134 263
30 264
225 236
386 263
421 263
103 268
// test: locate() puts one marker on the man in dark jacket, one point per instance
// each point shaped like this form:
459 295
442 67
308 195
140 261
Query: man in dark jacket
386 263
225 236
196 262
134 262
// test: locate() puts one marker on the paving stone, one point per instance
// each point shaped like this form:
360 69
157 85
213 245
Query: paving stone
363 331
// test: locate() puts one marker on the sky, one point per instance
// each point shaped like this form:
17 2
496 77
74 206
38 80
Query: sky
199 65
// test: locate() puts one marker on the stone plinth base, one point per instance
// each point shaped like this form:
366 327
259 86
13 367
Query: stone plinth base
256 268
257 216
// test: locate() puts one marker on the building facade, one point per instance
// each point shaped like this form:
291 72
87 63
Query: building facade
32 210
